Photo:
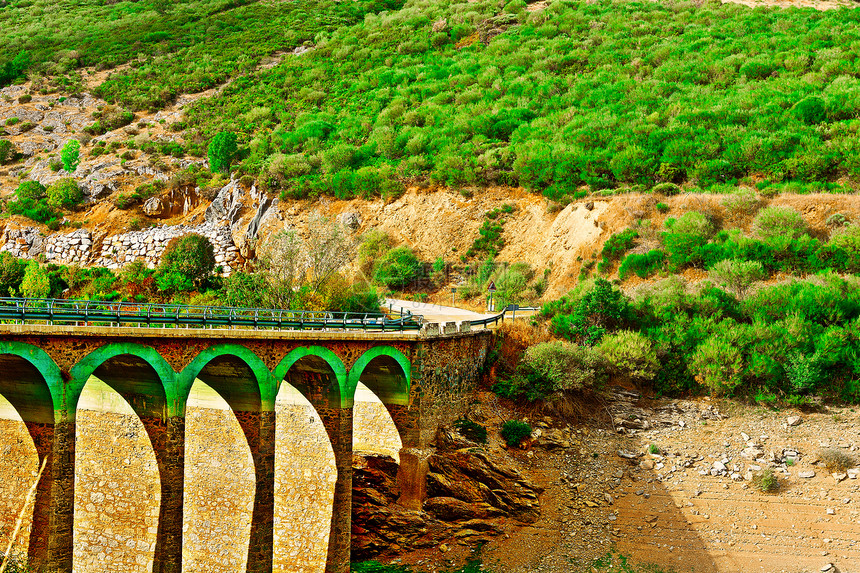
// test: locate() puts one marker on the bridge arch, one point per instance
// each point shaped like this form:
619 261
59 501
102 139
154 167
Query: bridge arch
378 369
35 402
336 395
32 384
145 382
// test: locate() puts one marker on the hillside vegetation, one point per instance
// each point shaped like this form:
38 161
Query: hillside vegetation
607 95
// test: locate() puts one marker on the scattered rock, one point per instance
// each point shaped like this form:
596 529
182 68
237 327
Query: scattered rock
793 420
806 474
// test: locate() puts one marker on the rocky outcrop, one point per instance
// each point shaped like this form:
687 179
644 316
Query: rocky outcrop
25 242
176 202
474 496
246 212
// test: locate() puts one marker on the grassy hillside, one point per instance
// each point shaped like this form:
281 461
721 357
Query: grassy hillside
171 47
606 95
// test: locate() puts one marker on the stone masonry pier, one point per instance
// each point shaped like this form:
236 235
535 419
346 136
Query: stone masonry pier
423 380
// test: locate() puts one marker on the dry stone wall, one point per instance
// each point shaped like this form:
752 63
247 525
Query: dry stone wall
149 245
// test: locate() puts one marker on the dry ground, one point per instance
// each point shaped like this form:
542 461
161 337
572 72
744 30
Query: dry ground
673 516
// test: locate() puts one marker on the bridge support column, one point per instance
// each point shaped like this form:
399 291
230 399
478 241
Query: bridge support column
338 425
259 429
412 472
61 474
37 549
168 441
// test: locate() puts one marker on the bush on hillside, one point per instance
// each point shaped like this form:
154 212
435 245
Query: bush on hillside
71 155
12 272
694 224
187 262
397 268
64 194
36 283
779 223
514 432
630 355
737 275
550 369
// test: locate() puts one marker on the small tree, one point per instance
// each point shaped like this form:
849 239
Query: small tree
64 194
36 283
71 155
11 274
329 247
187 262
222 149
6 151
737 275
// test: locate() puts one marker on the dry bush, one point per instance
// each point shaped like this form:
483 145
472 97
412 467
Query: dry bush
836 460
514 338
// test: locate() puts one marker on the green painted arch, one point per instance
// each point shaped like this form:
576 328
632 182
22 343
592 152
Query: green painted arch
398 395
265 383
40 360
344 400
88 364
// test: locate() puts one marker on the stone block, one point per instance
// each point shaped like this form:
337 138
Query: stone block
449 328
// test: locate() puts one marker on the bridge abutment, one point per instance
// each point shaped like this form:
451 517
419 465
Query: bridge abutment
62 478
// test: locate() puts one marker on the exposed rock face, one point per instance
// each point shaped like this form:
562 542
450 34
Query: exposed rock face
246 213
25 243
175 202
473 497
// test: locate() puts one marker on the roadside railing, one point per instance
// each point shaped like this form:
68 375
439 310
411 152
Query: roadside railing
494 320
101 313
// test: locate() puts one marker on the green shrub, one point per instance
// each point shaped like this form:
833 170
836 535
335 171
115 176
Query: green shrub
662 207
71 155
187 262
31 190
741 202
11 274
550 369
397 268
64 194
666 189
766 481
514 432
601 309
642 265
26 98
694 224
737 275
615 247
779 223
719 365
471 431
7 150
630 355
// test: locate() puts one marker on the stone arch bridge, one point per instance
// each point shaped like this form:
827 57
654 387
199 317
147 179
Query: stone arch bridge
424 379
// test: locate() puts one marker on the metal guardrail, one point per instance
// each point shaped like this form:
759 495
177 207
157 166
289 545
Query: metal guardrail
513 308
59 311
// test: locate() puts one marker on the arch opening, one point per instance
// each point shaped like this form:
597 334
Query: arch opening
305 476
374 431
118 482
20 461
220 484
